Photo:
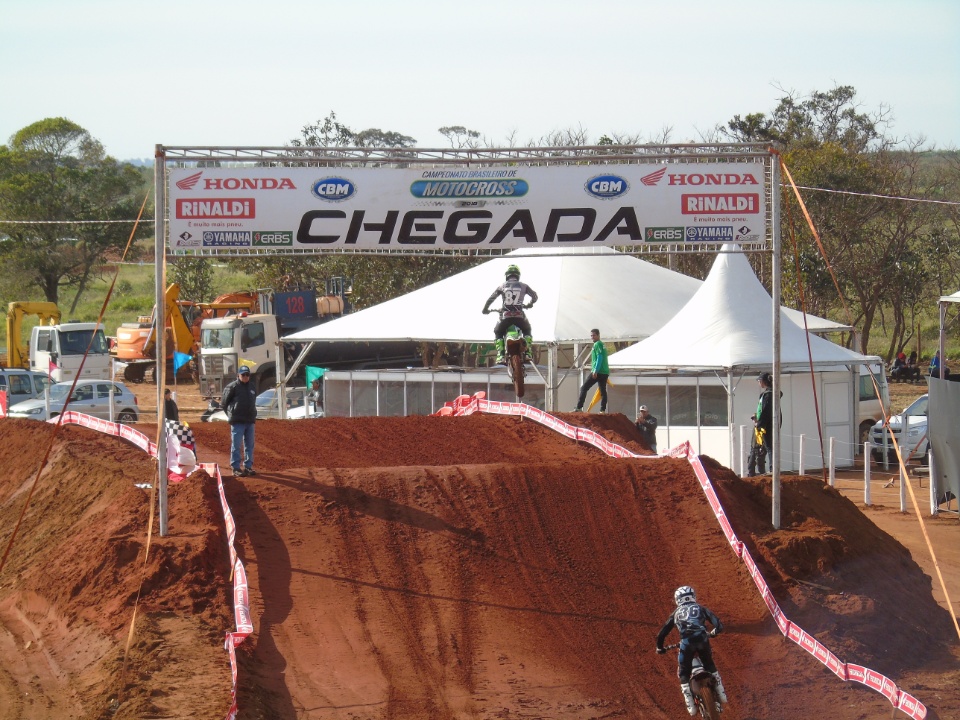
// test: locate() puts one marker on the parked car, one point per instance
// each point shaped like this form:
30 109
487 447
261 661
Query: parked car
917 444
267 405
91 397
20 384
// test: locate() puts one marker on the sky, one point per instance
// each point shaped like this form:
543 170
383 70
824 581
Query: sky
254 72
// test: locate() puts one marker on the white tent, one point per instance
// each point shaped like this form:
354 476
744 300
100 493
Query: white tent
942 411
725 333
627 298
727 324
579 289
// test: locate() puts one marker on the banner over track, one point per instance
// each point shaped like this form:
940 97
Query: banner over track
305 201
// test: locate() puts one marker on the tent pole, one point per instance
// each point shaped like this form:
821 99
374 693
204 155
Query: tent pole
160 242
552 369
730 419
775 309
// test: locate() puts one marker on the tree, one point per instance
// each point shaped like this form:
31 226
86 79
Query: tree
55 174
194 276
872 241
459 136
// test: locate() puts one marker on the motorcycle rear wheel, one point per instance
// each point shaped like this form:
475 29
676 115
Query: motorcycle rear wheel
516 366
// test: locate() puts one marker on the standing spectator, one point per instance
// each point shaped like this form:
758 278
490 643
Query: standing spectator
315 398
765 414
170 409
647 425
757 459
600 371
240 404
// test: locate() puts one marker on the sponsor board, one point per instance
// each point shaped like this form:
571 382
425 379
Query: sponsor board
529 206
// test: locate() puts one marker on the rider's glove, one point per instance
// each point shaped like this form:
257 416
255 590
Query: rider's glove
661 651
713 633
486 311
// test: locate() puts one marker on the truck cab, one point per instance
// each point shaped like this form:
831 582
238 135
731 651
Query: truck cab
228 342
58 350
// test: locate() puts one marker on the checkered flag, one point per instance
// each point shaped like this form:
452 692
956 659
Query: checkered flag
182 432
181 450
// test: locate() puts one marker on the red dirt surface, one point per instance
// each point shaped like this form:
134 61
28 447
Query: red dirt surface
448 568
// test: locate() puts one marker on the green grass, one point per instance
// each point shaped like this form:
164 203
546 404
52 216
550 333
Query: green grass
133 296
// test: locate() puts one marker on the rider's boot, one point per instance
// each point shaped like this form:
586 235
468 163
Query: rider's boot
501 358
688 698
721 693
529 344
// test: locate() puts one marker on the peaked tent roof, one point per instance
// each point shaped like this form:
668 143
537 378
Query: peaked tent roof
727 324
578 289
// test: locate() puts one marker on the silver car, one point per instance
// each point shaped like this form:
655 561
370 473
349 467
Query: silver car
91 397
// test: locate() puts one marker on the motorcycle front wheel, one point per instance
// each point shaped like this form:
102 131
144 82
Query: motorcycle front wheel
708 705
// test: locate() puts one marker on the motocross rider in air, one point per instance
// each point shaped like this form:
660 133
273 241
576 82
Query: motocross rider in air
513 292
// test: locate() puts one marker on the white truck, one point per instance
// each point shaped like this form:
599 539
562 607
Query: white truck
57 350
228 342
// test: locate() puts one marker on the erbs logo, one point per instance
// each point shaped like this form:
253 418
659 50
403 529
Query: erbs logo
606 187
663 234
334 189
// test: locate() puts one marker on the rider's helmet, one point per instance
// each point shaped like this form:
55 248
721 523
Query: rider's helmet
514 271
684 595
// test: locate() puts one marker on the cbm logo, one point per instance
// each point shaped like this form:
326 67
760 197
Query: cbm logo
606 187
334 189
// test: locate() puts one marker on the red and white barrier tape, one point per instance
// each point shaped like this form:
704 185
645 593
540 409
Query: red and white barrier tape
900 699
241 592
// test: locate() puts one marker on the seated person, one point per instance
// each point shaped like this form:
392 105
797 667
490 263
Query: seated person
898 367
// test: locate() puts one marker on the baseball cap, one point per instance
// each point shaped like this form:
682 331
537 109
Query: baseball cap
643 408
244 370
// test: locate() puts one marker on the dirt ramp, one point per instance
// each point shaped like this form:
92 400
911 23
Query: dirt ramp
499 590
439 568
838 575
67 592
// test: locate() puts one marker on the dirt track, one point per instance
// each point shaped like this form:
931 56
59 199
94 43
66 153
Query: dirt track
440 568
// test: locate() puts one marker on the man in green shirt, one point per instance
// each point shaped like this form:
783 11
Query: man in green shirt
600 371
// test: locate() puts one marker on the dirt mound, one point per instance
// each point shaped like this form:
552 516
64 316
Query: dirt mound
478 567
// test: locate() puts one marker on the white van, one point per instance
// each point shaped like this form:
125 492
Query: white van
58 349
20 384
871 410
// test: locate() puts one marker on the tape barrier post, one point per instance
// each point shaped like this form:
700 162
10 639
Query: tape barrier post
900 699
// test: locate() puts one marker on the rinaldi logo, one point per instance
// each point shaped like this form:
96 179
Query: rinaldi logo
654 177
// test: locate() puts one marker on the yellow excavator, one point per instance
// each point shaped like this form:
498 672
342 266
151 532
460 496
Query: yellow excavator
18 354
137 342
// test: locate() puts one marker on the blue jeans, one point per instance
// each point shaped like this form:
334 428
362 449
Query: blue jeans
241 434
